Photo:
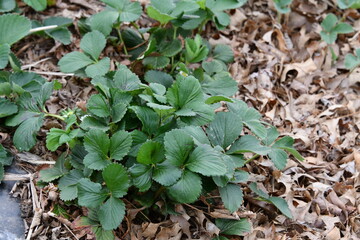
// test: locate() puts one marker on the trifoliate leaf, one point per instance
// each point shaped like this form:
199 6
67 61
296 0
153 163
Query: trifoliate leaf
68 185
141 176
93 43
13 28
178 146
120 144
206 161
116 179
50 174
232 196
233 227
187 189
224 129
111 213
150 152
74 61
129 11
90 194
166 174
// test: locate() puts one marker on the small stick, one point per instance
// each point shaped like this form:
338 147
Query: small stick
38 29
34 64
65 222
16 177
54 73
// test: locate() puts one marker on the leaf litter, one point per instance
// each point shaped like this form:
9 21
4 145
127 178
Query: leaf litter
284 71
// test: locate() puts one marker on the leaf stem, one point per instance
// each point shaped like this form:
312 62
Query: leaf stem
251 159
121 39
55 116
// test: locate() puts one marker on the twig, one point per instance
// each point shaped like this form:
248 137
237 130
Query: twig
38 29
63 222
54 73
16 177
34 64
33 159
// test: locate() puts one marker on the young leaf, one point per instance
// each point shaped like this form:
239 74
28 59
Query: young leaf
282 6
111 213
90 194
150 153
232 196
225 129
116 179
187 189
206 161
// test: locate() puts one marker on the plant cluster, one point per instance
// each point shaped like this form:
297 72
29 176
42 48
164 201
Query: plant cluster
154 137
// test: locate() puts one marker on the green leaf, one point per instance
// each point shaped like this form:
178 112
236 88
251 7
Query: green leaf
197 133
329 38
96 161
233 227
221 5
248 143
98 105
90 194
258 191
343 28
206 161
217 99
223 53
282 205
25 135
53 138
213 66
103 21
74 61
329 22
166 174
286 143
4 55
116 179
156 62
149 118
62 35
150 153
232 197
93 43
120 144
129 11
171 48
5 156
97 141
38 5
98 69
187 189
160 10
68 185
249 116
111 213
225 129
278 157
7 108
141 176
7 5
13 28
220 84
351 61
50 174
126 80
102 234
178 146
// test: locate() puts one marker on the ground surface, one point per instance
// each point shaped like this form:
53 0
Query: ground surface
285 71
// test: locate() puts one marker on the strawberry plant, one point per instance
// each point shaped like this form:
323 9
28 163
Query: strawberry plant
352 61
161 140
332 27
